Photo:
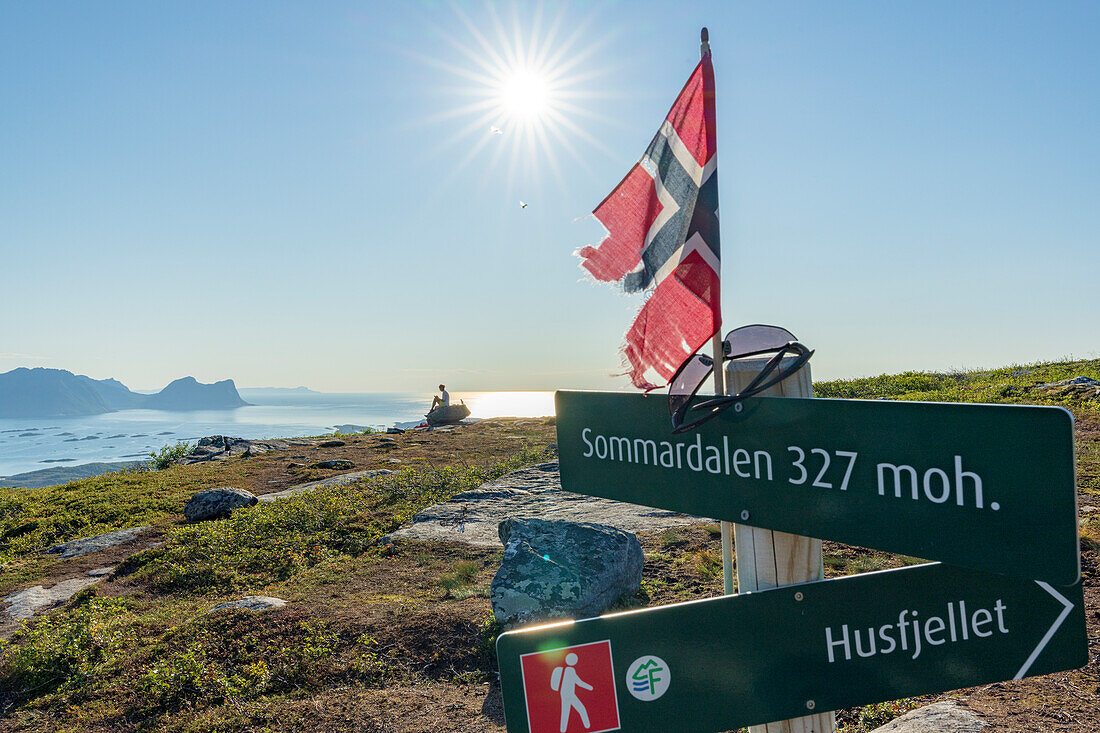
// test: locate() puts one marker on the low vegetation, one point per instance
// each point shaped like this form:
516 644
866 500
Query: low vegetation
273 541
378 634
1009 385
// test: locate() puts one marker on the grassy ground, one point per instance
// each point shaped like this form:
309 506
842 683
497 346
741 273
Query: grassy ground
378 635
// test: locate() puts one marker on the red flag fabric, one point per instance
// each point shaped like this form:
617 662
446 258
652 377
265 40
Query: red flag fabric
662 237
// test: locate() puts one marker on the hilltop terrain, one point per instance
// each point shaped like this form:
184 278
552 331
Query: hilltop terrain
384 635
43 392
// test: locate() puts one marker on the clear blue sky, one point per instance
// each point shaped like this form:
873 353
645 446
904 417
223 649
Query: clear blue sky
305 193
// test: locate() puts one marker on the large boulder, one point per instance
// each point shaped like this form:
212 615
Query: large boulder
940 717
217 503
557 569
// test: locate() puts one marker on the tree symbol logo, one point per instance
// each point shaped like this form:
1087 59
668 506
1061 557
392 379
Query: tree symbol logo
648 677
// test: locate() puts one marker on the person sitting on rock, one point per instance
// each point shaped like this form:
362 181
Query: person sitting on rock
444 401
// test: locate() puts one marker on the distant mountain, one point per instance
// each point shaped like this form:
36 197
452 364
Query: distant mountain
48 393
59 393
276 390
188 394
114 393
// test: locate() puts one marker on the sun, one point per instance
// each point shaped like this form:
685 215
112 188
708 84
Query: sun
520 86
524 95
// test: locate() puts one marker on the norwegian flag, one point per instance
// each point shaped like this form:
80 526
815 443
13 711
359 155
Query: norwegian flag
662 224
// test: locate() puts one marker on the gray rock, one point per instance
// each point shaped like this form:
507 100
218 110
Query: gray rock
1075 381
338 464
342 480
251 603
554 569
220 447
394 431
473 516
1080 387
101 572
332 444
26 603
387 441
88 545
940 717
217 503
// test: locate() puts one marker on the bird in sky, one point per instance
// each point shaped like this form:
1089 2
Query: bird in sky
523 204
495 130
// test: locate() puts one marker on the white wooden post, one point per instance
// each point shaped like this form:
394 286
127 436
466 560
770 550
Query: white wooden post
726 527
768 559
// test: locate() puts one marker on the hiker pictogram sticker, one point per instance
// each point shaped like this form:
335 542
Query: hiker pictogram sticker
571 689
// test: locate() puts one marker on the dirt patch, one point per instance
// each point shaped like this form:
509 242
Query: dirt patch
472 444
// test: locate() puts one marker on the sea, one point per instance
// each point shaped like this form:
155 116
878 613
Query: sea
131 435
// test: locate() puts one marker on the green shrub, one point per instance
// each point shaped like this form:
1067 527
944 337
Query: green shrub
169 455
464 573
61 650
235 655
708 562
873 716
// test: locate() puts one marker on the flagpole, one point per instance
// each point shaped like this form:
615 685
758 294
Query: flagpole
720 386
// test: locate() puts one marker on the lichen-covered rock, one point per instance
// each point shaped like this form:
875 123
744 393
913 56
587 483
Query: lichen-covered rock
88 545
251 603
556 569
333 464
217 503
940 717
26 603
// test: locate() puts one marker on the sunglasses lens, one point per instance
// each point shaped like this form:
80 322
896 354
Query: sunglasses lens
687 381
756 339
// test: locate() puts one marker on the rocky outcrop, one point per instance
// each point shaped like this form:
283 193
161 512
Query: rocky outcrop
251 603
940 717
333 465
220 447
88 545
474 516
554 569
26 603
1080 387
217 503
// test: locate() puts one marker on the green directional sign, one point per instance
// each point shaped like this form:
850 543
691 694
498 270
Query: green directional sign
990 487
726 662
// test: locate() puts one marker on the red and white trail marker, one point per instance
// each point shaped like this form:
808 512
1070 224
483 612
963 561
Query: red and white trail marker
571 689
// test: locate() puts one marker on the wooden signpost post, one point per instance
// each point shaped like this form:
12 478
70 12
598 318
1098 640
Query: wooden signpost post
950 482
770 559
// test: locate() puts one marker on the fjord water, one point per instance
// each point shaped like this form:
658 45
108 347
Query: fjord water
31 444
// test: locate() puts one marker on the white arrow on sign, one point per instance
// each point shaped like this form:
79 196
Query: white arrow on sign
1067 607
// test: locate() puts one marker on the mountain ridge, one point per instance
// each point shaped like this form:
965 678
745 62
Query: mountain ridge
44 392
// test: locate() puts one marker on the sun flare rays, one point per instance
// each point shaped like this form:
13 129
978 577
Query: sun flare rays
518 84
